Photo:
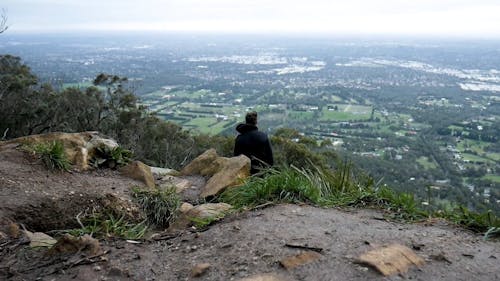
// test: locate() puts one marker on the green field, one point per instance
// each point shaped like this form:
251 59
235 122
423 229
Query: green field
346 112
473 145
207 125
494 178
300 115
426 163
475 158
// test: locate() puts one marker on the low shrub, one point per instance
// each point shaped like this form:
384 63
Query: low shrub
111 157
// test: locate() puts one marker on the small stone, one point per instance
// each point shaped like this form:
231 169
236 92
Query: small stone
199 269
40 239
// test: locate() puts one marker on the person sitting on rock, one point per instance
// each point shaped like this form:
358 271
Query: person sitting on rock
253 144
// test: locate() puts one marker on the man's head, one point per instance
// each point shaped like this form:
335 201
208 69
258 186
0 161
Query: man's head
251 118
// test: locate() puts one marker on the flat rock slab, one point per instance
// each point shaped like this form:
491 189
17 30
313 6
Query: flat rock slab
391 259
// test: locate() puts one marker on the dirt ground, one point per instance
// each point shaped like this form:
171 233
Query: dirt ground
239 246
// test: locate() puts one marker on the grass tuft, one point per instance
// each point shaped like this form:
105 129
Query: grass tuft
285 185
52 155
160 206
102 225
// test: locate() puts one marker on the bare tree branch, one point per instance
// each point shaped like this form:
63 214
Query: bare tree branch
3 22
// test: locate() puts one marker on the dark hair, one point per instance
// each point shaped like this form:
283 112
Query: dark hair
251 118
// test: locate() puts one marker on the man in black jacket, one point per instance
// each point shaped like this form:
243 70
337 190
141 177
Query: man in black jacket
253 144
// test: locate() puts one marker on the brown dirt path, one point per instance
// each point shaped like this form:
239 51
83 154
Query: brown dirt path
254 242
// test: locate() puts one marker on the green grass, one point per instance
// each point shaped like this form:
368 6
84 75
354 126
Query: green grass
346 113
343 187
207 125
288 185
108 226
475 158
300 115
160 206
52 155
473 145
493 156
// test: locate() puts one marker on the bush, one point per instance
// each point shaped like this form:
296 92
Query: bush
111 157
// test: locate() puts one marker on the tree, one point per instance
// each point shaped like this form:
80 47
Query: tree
3 22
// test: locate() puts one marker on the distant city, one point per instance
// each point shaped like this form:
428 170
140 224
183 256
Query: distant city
418 115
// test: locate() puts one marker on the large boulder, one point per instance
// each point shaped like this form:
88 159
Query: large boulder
232 173
78 147
223 172
206 164
139 171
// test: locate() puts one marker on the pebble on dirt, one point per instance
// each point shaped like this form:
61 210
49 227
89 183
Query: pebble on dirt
199 269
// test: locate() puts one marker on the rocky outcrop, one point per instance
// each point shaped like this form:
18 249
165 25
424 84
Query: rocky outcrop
232 173
78 147
223 172
206 164
139 171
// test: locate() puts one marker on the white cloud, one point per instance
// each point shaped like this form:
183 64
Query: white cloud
449 17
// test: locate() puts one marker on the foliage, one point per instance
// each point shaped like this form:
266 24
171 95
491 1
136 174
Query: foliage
109 106
336 188
108 226
160 206
287 152
52 155
285 185
111 157
485 222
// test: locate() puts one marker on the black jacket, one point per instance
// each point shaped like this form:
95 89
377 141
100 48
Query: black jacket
255 145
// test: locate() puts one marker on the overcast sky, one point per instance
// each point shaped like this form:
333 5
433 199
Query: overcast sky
408 17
